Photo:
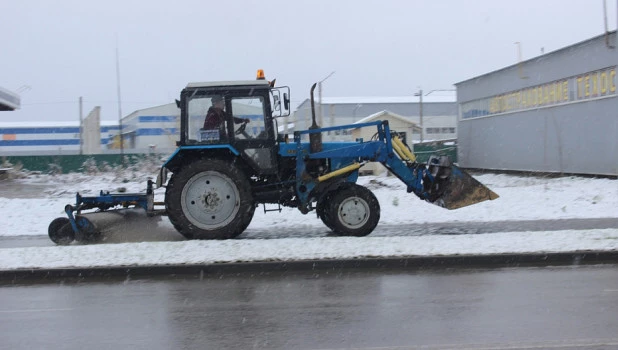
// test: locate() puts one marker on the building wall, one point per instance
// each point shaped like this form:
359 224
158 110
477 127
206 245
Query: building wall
155 128
554 113
45 138
160 132
91 132
435 115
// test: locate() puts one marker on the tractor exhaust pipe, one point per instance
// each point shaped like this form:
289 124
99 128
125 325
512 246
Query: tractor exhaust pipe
315 139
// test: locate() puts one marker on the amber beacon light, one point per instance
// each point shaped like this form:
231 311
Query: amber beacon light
260 74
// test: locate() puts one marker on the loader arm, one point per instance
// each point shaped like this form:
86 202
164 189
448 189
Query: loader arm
438 182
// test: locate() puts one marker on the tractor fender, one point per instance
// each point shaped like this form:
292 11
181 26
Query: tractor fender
331 186
187 154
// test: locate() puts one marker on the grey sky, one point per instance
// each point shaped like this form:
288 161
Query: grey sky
55 51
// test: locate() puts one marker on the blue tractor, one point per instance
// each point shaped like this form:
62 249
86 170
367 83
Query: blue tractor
221 172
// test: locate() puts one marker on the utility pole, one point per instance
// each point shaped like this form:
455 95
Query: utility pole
81 126
420 110
420 113
607 43
519 60
119 104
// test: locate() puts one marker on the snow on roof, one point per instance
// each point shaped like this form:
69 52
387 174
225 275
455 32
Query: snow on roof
392 99
391 114
168 109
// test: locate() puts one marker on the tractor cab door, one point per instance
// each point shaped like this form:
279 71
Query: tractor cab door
253 133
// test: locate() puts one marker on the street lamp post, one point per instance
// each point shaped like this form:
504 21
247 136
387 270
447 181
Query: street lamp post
420 111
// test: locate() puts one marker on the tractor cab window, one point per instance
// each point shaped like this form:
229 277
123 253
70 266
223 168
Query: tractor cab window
248 115
205 119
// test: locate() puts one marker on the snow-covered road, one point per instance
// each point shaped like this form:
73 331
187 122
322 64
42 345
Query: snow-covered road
521 198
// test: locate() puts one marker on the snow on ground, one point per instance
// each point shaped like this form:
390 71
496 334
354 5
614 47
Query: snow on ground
27 206
287 249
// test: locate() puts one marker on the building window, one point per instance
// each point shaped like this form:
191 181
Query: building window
433 130
448 130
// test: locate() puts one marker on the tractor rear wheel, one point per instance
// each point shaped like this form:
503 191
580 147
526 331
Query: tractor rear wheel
209 199
353 211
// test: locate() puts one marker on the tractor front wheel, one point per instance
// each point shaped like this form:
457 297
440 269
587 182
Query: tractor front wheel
353 211
323 212
209 199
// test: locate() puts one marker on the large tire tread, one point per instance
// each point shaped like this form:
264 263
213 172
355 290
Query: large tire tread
180 221
344 194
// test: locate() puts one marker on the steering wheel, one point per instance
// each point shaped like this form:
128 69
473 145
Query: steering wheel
241 129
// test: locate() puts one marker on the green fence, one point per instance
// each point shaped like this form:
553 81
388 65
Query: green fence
426 149
75 163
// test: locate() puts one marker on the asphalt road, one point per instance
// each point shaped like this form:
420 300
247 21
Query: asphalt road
141 229
508 308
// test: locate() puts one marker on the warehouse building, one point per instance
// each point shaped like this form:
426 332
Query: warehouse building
554 113
57 138
435 114
151 129
157 128
50 138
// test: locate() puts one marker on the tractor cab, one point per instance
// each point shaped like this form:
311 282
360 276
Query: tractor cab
235 115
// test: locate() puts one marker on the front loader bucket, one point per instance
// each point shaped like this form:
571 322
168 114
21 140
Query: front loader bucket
460 190
453 188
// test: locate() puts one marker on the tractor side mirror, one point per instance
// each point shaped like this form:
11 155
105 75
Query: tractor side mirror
286 101
277 103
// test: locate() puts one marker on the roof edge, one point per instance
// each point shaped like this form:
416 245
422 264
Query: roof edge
537 57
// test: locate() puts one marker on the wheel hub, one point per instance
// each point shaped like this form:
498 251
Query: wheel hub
210 200
353 212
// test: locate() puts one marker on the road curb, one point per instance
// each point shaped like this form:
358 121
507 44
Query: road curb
388 263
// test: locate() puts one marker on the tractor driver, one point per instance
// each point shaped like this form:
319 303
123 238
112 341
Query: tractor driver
216 116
